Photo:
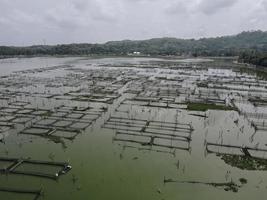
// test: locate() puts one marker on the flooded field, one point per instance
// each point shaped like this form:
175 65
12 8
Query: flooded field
131 128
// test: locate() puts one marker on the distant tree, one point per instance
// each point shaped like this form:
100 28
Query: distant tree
244 44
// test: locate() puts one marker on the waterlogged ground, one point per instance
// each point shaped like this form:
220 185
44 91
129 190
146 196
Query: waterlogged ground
131 128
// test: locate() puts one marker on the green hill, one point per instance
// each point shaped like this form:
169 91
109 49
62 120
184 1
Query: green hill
219 46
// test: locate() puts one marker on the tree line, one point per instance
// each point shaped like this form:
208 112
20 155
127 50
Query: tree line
254 57
240 44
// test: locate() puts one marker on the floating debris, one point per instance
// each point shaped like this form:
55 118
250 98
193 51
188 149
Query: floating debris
227 186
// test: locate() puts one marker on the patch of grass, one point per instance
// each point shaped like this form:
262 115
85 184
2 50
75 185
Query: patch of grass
207 106
47 114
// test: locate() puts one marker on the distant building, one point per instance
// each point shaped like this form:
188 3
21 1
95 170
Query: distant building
136 53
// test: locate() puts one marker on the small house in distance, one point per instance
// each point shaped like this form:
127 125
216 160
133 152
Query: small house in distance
135 53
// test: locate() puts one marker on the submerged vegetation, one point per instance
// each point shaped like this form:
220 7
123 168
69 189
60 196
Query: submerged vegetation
245 162
227 186
207 106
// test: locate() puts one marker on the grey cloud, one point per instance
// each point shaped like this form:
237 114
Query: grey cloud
66 21
212 6
179 7
264 3
81 5
78 14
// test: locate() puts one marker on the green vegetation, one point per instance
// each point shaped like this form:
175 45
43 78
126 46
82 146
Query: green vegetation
207 106
243 180
254 57
245 162
219 46
261 73
47 114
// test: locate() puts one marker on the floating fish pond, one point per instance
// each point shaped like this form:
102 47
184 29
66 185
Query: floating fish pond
132 128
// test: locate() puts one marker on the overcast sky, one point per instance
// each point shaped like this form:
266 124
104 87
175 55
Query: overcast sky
28 22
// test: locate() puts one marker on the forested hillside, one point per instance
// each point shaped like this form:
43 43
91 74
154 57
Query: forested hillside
219 46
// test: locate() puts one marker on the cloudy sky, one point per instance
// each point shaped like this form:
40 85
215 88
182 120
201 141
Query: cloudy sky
28 22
